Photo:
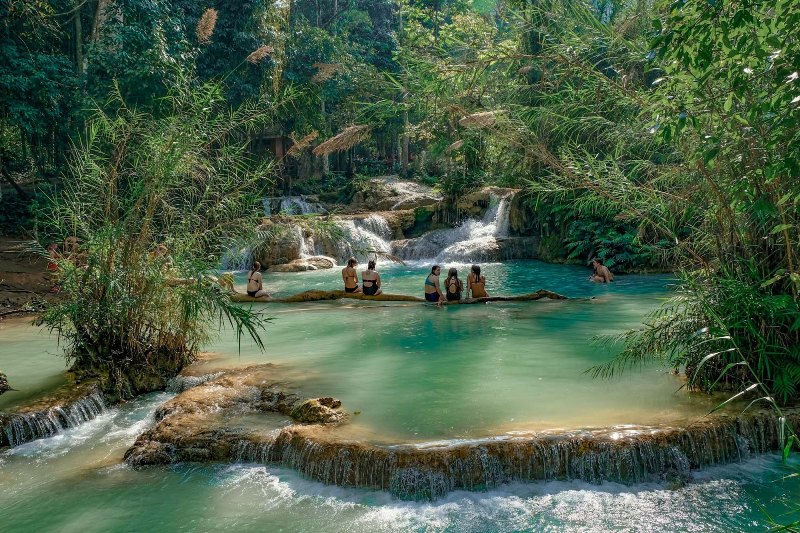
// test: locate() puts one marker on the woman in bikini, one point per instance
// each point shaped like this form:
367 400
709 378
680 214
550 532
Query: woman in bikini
476 284
371 280
350 276
453 286
255 287
433 293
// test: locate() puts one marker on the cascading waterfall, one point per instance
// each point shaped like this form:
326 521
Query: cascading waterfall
292 205
19 428
364 238
429 471
472 241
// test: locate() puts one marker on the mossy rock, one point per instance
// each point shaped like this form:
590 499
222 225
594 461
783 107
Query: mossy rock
318 411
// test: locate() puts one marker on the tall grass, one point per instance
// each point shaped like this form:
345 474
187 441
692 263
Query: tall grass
153 202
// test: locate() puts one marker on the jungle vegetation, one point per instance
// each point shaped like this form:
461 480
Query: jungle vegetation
651 133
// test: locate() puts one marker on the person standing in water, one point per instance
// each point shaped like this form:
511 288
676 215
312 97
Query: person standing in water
433 293
255 285
350 276
476 284
601 272
453 286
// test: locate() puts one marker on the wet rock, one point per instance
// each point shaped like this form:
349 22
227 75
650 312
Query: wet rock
318 411
282 249
66 407
4 386
389 193
518 248
192 426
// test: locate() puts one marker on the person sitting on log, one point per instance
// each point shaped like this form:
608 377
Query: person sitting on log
433 293
453 286
255 286
371 280
476 284
601 272
350 276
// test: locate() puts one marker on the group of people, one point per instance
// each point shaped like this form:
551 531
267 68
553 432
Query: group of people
370 279
452 289
435 291
453 286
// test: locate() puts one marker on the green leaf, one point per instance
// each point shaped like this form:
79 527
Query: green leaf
780 227
788 448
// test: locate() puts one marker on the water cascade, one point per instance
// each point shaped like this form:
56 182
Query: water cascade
473 241
364 238
291 205
429 471
19 428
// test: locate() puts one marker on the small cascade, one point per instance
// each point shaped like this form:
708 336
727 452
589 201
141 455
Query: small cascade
472 241
291 205
236 258
364 238
429 471
19 428
183 383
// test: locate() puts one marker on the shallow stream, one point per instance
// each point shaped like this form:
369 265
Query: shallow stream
414 373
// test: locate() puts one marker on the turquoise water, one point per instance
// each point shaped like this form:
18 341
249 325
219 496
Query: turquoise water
75 482
415 373
418 372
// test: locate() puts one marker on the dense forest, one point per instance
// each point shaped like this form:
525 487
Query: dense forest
653 134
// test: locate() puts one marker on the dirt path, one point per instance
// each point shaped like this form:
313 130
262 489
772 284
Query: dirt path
24 280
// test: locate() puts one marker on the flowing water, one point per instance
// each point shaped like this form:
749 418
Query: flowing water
414 374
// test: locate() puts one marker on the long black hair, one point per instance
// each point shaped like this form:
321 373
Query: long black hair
452 275
476 270
433 269
371 264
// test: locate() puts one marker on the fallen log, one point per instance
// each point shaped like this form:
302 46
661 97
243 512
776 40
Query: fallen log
318 296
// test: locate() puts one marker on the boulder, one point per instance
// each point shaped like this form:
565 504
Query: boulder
4 386
283 248
305 263
318 411
389 193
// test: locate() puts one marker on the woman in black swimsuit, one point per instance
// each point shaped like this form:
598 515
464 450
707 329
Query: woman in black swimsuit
255 286
371 280
453 286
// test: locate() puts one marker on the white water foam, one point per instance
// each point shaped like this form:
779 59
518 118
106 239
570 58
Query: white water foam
474 240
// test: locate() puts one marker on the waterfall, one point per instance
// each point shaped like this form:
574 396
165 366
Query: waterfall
429 471
291 205
19 428
473 241
236 258
364 238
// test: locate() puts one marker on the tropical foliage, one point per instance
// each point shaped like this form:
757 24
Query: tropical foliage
149 207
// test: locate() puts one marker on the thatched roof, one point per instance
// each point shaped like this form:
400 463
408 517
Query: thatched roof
344 140
301 144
